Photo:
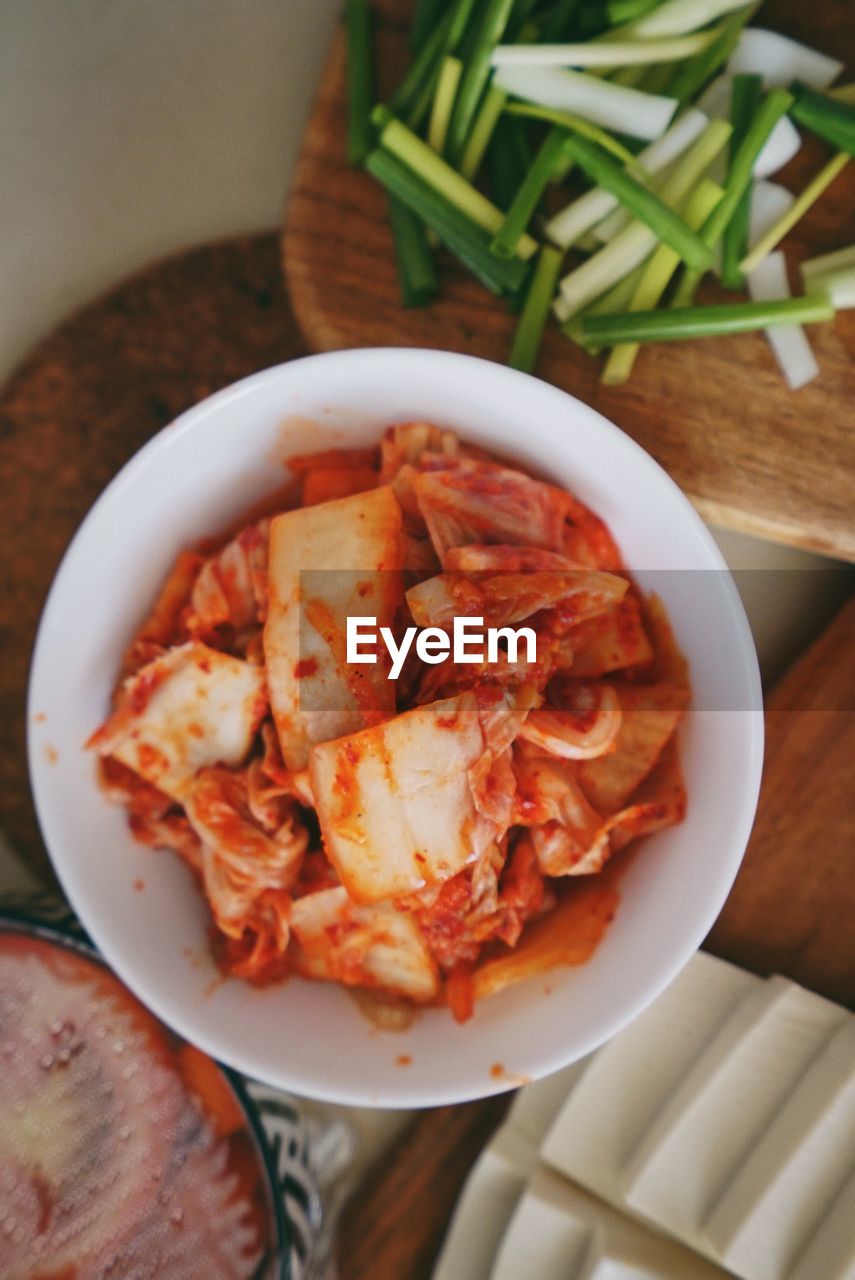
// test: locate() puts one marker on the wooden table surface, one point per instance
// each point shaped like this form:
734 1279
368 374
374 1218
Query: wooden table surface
717 414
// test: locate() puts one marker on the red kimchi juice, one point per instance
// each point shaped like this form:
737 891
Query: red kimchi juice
123 1151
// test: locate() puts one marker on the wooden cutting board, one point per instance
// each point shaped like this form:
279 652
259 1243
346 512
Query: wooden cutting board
790 911
716 413
87 398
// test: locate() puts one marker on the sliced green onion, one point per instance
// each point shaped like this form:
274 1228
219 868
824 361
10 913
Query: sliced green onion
620 12
843 93
571 223
630 77
416 153
491 108
416 267
677 17
773 107
541 291
828 118
612 106
465 239
461 14
627 53
664 222
476 73
745 95
789 343
687 80
808 197
575 124
509 157
443 102
528 196
428 14
780 60
656 277
558 22
610 303
837 286
699 322
628 249
421 77
839 260
360 92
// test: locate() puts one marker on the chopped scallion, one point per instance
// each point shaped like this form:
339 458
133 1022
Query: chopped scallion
463 237
829 118
443 102
416 267
627 53
528 196
796 212
541 291
745 95
575 124
489 112
655 278
360 92
666 224
774 105
699 322
416 153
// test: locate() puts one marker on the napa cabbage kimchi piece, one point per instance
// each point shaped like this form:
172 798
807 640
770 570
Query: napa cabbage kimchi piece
431 838
327 562
189 708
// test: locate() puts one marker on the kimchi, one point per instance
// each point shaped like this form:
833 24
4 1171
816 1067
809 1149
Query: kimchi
413 837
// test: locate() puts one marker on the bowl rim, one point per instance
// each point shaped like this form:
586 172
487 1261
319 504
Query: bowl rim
361 1094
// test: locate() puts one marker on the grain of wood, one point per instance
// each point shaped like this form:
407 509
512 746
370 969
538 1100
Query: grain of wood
716 413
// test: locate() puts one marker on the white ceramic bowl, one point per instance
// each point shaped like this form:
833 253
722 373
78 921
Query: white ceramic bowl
199 474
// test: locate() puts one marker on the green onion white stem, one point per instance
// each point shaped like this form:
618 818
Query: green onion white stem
643 115
780 60
799 208
656 277
677 17
838 286
424 161
790 347
476 73
826 262
443 102
463 237
636 241
624 53
360 90
416 267
566 227
682 323
769 202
